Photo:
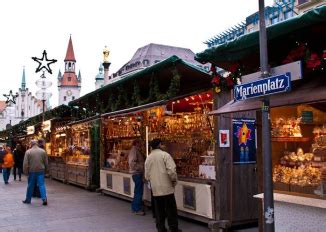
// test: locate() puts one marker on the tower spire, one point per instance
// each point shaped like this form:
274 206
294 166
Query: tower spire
70 55
23 79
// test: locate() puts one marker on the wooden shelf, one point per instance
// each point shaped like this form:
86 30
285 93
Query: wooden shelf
290 139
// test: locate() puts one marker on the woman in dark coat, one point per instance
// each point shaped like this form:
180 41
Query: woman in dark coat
19 154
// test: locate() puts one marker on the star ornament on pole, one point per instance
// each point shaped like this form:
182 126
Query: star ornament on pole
44 63
10 98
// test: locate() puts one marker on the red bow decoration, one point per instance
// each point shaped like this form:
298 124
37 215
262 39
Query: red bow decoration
216 80
296 54
313 61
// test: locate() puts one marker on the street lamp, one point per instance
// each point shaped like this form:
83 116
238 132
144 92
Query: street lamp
43 83
10 102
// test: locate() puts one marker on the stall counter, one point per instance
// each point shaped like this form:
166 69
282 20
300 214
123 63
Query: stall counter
298 213
193 198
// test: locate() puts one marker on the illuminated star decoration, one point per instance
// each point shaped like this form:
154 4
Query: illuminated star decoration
243 134
44 63
10 97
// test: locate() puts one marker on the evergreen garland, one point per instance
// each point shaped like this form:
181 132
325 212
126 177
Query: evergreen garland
136 98
174 87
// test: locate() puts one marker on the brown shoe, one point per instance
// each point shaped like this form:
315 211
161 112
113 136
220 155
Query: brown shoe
140 213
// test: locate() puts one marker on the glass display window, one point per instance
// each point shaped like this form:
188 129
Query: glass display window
299 147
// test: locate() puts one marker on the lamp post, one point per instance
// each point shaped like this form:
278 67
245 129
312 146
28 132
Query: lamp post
11 100
269 222
43 83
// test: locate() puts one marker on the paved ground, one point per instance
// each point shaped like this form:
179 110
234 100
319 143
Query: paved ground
72 209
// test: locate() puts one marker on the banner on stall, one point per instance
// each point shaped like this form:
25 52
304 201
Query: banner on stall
244 141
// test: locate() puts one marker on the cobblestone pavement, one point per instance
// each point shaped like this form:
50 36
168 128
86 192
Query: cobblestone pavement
73 209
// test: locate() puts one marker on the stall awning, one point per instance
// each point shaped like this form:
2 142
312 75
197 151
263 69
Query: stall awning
135 109
303 92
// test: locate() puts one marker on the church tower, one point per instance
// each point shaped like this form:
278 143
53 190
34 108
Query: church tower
69 84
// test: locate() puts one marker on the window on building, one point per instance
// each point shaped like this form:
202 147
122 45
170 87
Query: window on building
69 78
274 20
64 98
288 14
73 97
145 62
156 61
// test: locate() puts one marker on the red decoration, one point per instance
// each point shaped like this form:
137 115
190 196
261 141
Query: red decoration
230 82
297 53
313 61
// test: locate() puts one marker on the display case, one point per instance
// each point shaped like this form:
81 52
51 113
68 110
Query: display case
299 148
60 140
78 156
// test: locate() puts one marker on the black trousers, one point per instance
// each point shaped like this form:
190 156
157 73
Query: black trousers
166 207
20 170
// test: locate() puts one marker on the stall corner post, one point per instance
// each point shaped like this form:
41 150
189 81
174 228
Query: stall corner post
268 217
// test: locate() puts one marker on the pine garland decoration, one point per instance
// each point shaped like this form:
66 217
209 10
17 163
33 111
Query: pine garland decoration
136 98
174 87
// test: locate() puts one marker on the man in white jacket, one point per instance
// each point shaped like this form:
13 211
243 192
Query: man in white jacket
160 170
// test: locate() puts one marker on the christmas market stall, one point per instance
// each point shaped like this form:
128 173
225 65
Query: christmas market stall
82 153
59 143
170 100
297 95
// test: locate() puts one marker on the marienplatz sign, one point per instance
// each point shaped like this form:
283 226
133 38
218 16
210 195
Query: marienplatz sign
271 85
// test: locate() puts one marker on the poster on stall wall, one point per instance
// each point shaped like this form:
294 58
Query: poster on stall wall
244 141
224 138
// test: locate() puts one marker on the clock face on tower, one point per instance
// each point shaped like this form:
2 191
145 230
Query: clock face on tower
69 92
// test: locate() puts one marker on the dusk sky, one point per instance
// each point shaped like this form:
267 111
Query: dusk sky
29 27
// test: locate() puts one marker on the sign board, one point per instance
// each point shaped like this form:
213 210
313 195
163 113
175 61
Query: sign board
30 130
46 125
307 117
224 138
263 87
295 68
244 141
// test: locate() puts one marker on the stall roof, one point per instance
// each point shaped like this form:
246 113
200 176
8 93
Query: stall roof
306 91
245 45
135 109
194 77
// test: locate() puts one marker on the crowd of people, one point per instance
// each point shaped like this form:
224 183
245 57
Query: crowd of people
33 162
158 170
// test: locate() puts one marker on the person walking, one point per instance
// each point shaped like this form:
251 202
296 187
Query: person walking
8 163
160 171
35 164
19 159
136 168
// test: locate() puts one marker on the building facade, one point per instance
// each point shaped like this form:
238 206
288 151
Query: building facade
26 106
69 84
147 56
99 78
280 11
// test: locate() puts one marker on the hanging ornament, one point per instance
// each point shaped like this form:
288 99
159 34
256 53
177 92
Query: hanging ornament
44 63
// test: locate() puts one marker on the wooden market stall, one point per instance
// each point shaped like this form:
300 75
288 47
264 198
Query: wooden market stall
82 155
171 99
187 133
298 122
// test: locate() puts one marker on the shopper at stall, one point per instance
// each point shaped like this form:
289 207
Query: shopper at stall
8 163
136 168
19 159
35 164
160 170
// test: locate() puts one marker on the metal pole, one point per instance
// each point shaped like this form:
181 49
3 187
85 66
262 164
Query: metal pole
269 222
43 106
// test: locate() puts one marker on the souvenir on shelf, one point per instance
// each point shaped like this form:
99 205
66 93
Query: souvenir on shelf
286 127
319 146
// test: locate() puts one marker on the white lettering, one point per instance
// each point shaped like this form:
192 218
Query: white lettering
281 83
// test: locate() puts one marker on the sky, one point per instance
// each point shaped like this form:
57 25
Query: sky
29 27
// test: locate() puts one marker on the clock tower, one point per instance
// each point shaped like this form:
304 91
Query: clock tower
69 84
